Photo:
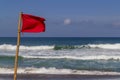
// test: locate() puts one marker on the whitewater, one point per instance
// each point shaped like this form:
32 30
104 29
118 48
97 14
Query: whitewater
62 55
99 51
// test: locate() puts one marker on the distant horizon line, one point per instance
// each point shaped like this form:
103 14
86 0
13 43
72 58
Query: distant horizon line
54 37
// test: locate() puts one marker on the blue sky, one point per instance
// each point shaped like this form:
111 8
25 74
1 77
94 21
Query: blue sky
64 18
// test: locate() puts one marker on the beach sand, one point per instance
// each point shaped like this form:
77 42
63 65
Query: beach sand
59 77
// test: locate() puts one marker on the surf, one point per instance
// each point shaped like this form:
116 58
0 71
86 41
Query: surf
53 70
10 47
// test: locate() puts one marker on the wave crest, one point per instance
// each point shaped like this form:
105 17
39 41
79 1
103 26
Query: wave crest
105 46
10 47
89 46
100 57
53 70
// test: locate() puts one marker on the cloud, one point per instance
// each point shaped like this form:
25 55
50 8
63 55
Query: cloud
67 21
83 22
116 23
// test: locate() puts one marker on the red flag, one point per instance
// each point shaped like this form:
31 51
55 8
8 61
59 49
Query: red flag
32 23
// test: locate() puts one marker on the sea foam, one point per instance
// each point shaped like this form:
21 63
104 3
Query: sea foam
105 46
10 47
53 70
99 57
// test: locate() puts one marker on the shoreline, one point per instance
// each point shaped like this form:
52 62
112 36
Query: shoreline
31 76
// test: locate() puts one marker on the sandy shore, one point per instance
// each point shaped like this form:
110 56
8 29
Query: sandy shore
59 77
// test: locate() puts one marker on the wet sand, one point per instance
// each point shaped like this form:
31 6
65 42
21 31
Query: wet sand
59 77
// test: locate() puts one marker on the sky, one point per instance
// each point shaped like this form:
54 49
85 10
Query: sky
64 18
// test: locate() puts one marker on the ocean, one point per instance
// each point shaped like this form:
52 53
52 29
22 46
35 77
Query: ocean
61 55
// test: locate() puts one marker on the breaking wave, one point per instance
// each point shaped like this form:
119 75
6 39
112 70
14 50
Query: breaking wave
99 57
105 46
10 47
53 70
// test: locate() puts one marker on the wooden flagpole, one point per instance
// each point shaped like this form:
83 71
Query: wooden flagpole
17 49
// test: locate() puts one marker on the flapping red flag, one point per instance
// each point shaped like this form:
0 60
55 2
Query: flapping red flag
32 23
